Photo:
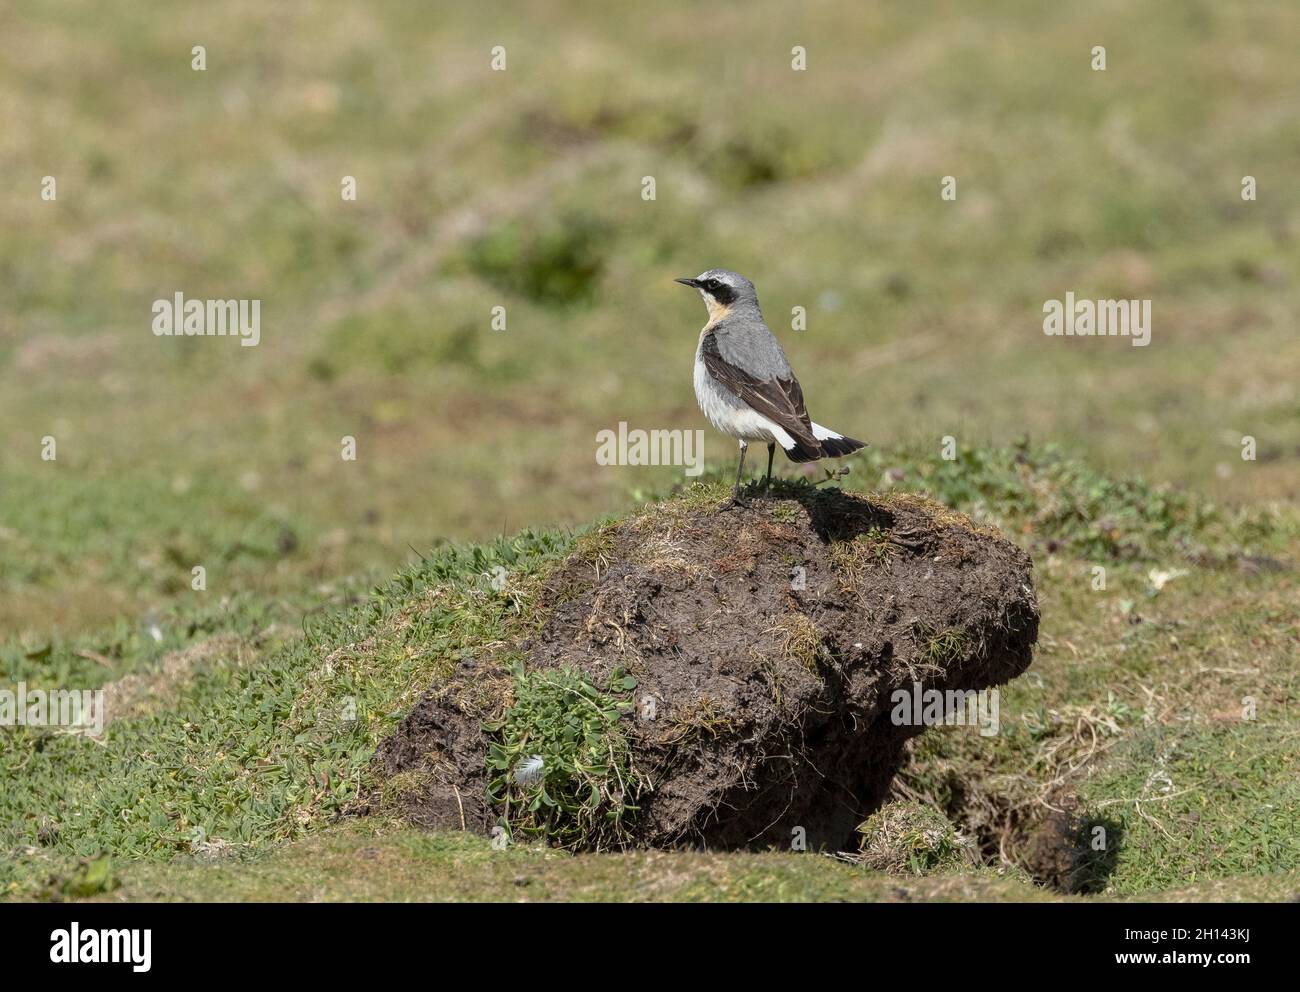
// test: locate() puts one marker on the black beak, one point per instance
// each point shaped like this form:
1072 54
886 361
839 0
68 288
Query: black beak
693 283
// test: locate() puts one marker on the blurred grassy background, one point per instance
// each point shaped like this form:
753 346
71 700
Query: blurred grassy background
522 189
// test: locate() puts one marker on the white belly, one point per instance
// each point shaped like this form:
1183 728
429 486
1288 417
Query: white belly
731 415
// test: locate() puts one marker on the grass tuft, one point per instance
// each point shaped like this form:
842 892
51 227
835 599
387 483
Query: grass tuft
909 838
560 768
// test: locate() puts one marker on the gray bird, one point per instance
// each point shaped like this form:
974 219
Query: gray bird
744 384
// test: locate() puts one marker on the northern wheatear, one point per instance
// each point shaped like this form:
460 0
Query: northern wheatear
744 384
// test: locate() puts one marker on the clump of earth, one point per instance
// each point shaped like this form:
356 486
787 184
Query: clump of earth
781 651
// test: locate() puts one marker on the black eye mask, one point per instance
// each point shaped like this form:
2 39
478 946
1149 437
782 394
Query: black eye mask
720 291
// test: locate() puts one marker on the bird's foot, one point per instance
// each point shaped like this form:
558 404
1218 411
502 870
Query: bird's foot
735 503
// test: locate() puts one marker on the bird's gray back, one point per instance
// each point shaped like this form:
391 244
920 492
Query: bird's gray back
745 342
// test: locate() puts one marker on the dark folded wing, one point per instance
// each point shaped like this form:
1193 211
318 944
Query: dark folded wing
780 400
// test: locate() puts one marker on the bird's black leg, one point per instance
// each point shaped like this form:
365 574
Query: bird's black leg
740 468
771 450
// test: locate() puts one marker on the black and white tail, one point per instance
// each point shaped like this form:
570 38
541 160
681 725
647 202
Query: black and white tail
829 445
835 445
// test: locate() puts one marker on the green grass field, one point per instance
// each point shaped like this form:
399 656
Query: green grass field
522 189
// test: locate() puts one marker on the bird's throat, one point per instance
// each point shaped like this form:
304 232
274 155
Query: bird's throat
717 311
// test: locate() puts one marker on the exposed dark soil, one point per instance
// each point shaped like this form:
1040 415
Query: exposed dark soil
770 687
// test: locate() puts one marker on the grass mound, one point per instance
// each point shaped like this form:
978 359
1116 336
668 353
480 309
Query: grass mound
763 655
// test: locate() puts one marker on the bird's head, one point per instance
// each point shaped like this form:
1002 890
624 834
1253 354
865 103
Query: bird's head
723 290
